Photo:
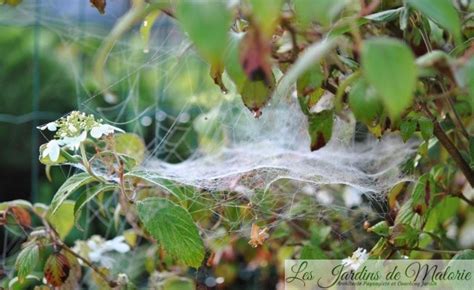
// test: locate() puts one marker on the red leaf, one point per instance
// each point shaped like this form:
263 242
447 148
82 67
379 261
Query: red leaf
21 215
56 269
255 53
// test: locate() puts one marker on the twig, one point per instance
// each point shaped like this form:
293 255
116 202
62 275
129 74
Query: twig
456 118
428 250
463 197
294 43
449 146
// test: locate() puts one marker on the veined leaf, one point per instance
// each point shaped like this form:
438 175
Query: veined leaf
173 227
407 129
26 261
426 128
389 66
72 184
56 269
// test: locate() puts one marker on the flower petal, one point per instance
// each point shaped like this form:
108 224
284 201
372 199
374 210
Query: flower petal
54 150
96 132
52 126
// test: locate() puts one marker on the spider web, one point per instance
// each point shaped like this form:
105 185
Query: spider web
209 143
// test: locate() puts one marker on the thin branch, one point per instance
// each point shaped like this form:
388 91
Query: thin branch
456 118
295 50
463 197
429 250
449 146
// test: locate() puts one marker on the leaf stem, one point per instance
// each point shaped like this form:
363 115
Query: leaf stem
87 165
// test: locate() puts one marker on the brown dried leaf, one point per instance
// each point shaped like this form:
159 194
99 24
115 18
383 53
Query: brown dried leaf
257 236
100 5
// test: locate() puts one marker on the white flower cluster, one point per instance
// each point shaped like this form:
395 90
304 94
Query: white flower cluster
357 259
96 248
71 131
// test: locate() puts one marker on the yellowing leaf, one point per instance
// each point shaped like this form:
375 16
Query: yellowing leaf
26 261
63 219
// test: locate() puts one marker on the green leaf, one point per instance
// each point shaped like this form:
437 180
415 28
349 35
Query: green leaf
312 252
88 196
422 189
380 228
389 66
321 11
309 81
440 11
266 14
173 227
207 23
178 283
72 184
364 102
26 261
386 15
163 183
403 235
426 128
30 282
464 255
320 128
465 78
255 95
407 129
63 218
